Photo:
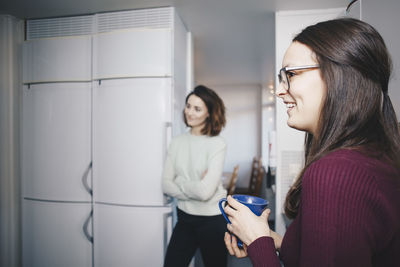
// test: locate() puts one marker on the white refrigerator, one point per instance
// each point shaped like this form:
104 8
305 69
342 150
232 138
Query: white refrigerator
131 131
98 112
56 152
137 101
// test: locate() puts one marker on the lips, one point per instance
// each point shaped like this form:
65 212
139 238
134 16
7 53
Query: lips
290 105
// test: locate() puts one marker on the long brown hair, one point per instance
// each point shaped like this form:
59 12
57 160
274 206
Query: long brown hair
357 112
216 110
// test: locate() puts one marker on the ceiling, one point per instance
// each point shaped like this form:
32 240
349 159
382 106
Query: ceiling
234 40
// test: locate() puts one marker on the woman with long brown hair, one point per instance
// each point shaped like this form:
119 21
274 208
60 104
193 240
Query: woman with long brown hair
345 203
192 175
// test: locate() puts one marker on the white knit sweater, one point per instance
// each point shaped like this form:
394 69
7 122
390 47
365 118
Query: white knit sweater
189 156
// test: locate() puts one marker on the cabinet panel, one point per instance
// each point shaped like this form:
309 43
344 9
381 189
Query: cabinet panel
131 236
130 131
57 59
56 141
133 53
53 234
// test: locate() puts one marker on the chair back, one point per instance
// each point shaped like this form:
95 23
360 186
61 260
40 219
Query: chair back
257 175
232 183
256 179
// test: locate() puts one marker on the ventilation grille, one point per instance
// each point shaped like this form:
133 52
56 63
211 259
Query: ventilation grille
141 18
56 27
152 18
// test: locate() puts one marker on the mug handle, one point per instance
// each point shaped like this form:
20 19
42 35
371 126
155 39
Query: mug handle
222 209
239 242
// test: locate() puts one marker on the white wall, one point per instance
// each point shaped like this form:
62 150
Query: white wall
268 126
384 16
11 38
243 128
289 141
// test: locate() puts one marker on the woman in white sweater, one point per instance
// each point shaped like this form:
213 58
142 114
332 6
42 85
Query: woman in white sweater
192 175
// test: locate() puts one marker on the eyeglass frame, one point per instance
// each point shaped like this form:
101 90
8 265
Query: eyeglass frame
286 69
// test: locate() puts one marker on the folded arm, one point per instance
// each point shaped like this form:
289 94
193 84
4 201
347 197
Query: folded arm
204 188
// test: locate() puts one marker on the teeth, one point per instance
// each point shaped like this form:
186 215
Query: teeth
290 105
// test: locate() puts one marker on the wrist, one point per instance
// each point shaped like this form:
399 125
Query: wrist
265 232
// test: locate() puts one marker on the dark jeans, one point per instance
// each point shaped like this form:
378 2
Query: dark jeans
192 232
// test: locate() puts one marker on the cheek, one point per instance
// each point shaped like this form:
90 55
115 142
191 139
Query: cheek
186 114
314 106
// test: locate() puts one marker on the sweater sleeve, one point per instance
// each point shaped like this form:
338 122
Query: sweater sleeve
169 176
336 212
205 188
262 253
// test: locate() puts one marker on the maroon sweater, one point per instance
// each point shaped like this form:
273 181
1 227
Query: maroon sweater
349 215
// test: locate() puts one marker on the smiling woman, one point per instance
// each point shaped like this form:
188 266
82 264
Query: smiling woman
192 174
344 204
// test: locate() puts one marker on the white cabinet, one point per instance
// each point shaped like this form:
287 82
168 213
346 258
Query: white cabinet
130 134
56 152
133 53
57 59
56 141
53 234
130 236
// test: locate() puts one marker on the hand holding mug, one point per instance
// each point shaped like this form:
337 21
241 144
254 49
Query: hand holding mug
245 217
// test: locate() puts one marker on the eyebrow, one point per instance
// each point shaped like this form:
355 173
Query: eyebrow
193 105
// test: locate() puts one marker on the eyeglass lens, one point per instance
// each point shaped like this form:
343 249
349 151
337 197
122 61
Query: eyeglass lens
283 79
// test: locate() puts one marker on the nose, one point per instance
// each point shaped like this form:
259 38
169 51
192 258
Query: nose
189 111
280 91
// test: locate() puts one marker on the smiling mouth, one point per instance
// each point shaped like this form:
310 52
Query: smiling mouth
290 105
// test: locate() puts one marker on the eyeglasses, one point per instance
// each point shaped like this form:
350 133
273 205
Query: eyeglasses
285 74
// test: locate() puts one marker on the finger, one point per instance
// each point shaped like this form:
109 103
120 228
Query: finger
238 252
231 239
265 214
229 210
229 227
245 248
233 203
228 243
235 245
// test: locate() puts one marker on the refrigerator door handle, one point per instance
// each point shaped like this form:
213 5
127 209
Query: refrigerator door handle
167 229
168 136
86 226
168 133
85 178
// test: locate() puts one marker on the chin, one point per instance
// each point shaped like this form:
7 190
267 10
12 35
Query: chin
291 124
294 126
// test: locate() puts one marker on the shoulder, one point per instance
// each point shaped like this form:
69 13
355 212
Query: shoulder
218 141
348 171
351 189
180 138
207 142
178 141
355 163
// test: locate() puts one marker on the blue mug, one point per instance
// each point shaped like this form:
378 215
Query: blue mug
255 204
